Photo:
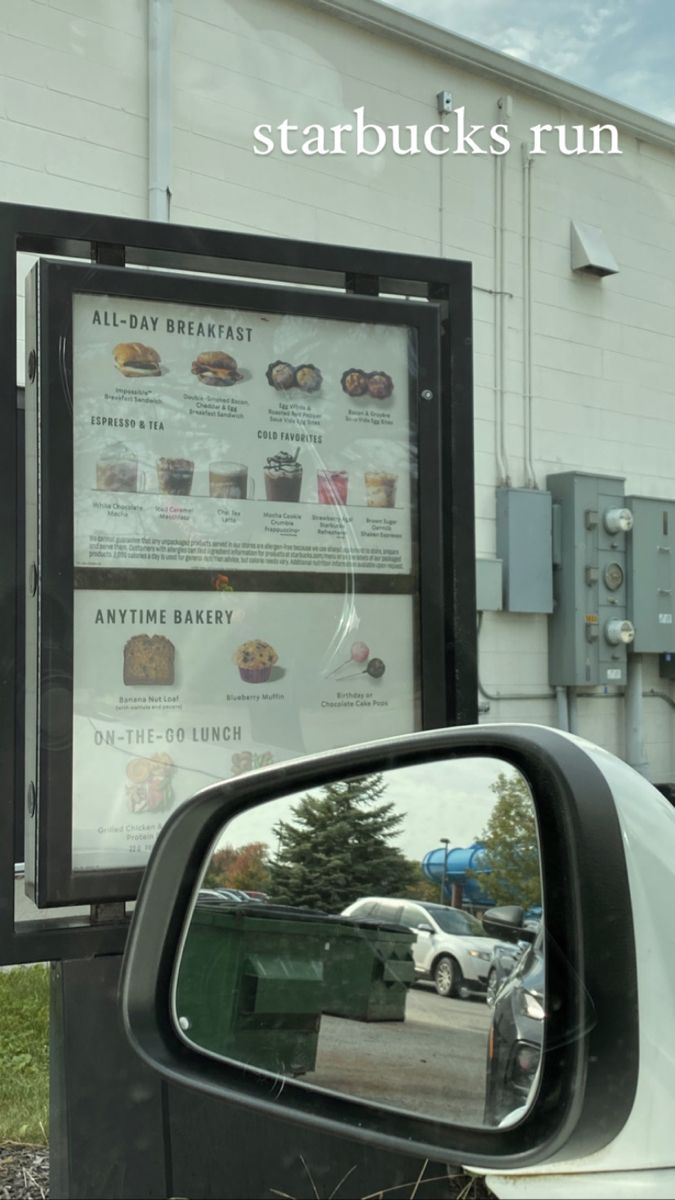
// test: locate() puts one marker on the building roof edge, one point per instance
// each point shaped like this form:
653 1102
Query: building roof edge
378 17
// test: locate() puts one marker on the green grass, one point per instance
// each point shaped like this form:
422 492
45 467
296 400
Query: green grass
24 1059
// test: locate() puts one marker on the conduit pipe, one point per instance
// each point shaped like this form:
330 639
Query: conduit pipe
530 476
503 479
562 709
572 711
160 15
635 748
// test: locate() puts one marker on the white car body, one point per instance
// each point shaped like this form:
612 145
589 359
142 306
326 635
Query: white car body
640 1160
472 954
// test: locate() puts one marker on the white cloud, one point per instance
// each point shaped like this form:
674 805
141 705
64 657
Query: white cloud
622 48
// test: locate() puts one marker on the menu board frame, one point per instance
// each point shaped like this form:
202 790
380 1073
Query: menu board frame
50 455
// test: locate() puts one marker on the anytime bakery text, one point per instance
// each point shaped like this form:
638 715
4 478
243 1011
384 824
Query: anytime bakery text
160 616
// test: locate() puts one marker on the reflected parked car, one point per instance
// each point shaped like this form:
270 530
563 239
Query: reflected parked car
244 896
451 946
516 1033
504 958
218 896
221 895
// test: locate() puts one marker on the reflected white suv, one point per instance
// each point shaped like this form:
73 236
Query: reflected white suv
451 946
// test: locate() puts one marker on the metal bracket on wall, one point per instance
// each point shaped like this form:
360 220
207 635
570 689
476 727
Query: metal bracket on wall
108 254
362 285
110 912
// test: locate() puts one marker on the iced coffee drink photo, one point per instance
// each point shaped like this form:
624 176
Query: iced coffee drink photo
332 487
283 477
380 489
229 481
117 470
174 476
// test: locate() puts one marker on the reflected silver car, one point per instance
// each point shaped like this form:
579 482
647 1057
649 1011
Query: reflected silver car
451 946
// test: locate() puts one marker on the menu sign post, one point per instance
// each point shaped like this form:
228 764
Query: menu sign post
237 536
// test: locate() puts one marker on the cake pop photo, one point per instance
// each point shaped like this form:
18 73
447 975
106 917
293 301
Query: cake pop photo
359 658
359 654
375 668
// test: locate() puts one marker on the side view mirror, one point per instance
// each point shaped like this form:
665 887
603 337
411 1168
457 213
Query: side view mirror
506 922
273 1004
424 928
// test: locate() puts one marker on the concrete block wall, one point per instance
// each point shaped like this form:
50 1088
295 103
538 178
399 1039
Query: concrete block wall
73 134
73 109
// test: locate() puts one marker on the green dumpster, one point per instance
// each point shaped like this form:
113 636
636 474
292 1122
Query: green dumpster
368 969
250 985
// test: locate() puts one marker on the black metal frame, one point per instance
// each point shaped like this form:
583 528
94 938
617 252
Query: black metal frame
586 1088
56 883
119 241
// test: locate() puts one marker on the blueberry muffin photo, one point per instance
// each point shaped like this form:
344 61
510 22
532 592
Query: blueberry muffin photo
255 660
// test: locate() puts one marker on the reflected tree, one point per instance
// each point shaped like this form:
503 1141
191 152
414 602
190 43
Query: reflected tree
422 888
242 867
338 848
511 852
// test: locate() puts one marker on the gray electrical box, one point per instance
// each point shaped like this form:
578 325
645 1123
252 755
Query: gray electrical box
651 574
524 545
589 630
489 584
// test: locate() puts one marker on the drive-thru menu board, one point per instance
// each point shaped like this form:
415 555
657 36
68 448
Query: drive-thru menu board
206 436
245 556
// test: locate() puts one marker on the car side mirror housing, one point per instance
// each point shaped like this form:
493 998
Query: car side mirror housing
579 1092
423 928
506 922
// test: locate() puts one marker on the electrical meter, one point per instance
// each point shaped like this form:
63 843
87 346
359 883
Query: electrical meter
618 520
613 576
619 633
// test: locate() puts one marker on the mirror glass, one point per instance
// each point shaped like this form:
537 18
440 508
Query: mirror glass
339 938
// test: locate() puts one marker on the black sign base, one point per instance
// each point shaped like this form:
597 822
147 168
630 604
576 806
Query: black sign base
106 1132
117 1133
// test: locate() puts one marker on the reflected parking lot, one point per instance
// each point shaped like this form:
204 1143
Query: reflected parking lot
433 1062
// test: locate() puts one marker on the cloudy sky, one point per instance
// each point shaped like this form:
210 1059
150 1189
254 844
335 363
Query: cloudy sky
445 799
624 49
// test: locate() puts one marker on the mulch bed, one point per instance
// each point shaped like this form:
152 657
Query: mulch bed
24 1172
24 1175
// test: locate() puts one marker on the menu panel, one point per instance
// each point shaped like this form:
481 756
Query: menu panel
238 560
206 437
175 691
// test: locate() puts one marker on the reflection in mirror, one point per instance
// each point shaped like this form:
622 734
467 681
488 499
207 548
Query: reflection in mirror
340 937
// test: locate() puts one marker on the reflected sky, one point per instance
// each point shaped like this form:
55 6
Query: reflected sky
441 799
